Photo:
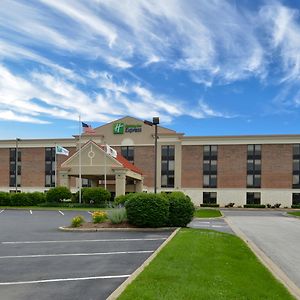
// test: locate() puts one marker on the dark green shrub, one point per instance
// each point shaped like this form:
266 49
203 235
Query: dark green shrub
4 198
75 196
58 194
120 200
20 199
181 209
97 196
147 210
37 198
296 206
209 205
254 206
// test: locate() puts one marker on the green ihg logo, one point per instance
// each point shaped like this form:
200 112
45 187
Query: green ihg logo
118 128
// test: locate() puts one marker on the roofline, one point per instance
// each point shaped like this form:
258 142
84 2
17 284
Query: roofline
241 136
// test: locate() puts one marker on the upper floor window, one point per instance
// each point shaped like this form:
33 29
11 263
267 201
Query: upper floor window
254 166
296 166
210 156
50 166
15 160
167 166
128 153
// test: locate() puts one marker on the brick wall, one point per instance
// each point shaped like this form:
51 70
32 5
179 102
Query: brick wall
192 167
144 159
232 166
4 167
277 166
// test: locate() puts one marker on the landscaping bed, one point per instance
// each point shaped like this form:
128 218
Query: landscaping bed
105 224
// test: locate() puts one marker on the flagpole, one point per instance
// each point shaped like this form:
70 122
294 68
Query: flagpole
80 183
55 168
105 168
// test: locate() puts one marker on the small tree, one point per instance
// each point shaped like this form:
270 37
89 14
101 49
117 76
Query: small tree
58 194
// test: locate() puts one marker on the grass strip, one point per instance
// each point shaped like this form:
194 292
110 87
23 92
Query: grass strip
294 213
205 264
207 213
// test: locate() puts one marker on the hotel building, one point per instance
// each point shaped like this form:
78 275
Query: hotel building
258 169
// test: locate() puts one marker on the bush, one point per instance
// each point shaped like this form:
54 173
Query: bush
58 194
77 221
75 196
296 206
99 216
209 205
181 209
120 200
20 199
147 210
4 198
117 216
231 204
254 206
98 196
37 198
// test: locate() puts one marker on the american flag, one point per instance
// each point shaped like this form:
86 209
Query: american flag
88 128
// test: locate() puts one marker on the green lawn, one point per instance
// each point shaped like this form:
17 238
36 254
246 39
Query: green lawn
203 264
54 208
207 213
294 213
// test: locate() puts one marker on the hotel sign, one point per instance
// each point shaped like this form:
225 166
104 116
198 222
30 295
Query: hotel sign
121 128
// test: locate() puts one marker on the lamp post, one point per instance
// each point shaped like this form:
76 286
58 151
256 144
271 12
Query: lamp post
16 165
155 122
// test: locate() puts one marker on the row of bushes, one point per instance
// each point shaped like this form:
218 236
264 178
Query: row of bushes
157 210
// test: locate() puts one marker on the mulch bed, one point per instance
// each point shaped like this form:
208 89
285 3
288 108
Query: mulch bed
106 224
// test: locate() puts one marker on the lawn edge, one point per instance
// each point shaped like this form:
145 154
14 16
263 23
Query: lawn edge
115 294
266 261
64 228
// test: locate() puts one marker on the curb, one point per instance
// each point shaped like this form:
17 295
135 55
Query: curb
267 262
63 228
114 295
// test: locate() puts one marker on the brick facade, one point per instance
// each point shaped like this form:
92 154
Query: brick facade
192 167
277 166
232 166
144 160
4 167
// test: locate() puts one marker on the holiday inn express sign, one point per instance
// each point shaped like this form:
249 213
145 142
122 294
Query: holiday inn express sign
121 128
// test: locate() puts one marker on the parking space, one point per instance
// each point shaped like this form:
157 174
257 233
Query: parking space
217 224
41 262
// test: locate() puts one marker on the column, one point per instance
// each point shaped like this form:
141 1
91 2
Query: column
139 186
120 183
64 179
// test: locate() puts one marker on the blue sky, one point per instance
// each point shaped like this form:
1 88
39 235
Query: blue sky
204 67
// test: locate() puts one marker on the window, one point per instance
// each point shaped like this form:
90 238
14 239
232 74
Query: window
86 182
209 197
167 166
296 166
128 153
254 166
13 169
296 199
210 154
253 198
50 166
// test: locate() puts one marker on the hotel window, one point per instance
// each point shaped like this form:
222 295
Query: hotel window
50 167
128 153
296 166
86 182
253 198
210 155
254 166
167 166
12 167
296 199
209 197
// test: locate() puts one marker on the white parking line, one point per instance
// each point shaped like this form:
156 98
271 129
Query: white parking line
203 222
2 211
200 225
90 213
64 279
61 212
30 212
78 254
84 241
217 226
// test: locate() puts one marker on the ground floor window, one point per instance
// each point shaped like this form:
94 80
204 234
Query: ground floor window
209 197
296 199
253 198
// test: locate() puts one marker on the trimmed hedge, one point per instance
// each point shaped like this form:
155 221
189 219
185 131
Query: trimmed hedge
97 196
58 194
209 205
20 199
254 206
147 210
181 209
120 200
4 198
296 206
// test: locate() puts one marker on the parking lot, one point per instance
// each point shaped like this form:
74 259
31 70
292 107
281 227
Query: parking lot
38 261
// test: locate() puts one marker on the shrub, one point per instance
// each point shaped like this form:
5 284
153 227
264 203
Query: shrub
277 205
147 210
231 204
99 216
20 199
254 206
117 216
209 205
97 196
4 198
181 209
75 196
37 198
269 205
58 194
296 206
120 200
77 221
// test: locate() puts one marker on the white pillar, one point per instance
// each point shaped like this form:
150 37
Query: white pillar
120 183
